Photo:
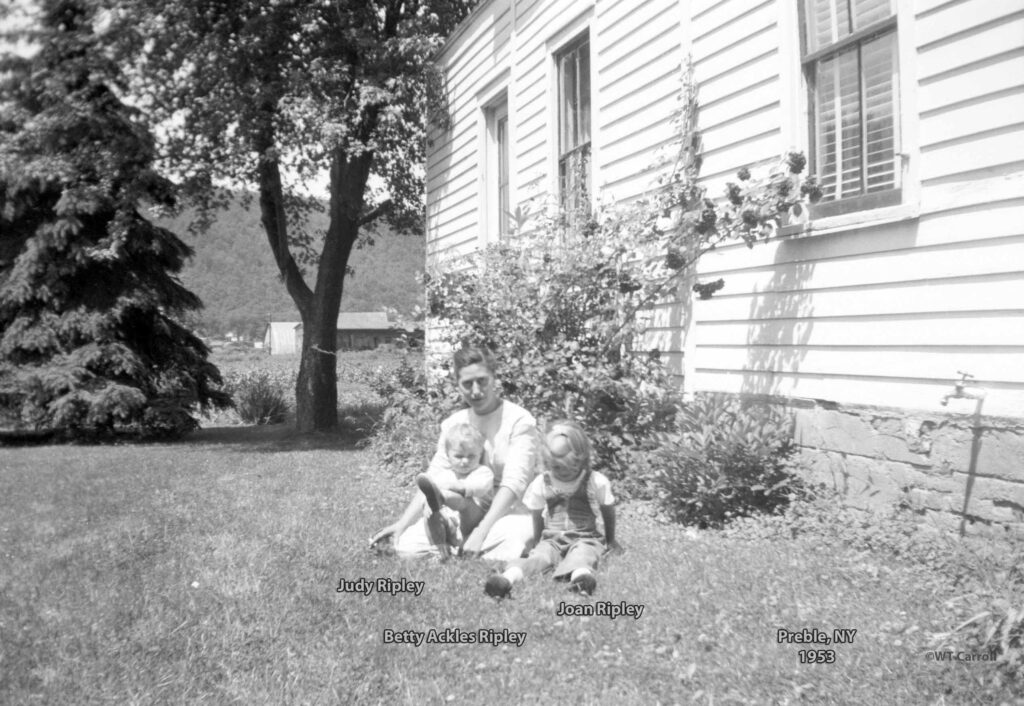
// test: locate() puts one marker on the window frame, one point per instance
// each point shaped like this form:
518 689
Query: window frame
498 180
808 62
493 101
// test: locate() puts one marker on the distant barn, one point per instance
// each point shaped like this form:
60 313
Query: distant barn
357 331
363 330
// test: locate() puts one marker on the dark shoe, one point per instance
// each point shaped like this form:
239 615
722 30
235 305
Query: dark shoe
585 584
437 531
435 501
498 586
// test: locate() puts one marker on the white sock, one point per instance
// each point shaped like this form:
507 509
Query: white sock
513 573
582 571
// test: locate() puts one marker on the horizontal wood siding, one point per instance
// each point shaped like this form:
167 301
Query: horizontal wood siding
452 160
883 315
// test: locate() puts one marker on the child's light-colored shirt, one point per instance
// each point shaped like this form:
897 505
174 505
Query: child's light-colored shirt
599 492
511 445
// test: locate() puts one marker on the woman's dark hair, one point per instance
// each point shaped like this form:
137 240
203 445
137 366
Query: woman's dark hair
473 355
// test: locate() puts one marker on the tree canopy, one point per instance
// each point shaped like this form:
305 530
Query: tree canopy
267 95
90 340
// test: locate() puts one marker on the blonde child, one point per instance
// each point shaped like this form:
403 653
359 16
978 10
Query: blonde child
565 501
447 497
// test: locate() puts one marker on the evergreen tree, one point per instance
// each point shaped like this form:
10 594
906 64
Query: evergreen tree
90 339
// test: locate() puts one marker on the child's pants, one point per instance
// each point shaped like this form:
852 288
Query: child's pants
566 552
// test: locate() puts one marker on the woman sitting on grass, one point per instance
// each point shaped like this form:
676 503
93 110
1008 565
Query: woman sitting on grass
503 525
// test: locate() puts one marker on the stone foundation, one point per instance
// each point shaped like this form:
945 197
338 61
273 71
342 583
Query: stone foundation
963 472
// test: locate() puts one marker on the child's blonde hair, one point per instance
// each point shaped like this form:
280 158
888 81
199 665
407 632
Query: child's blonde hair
575 438
464 435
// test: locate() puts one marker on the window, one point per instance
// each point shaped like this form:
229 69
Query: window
495 171
573 66
851 63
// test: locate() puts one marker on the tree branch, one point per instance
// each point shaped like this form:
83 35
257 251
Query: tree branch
275 224
382 208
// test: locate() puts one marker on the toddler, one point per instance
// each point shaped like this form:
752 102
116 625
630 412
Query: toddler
452 509
565 501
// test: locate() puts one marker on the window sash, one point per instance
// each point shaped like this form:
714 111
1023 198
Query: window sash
829 23
853 84
574 97
574 133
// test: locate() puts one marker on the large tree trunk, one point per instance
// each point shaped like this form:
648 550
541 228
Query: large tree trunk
316 390
316 394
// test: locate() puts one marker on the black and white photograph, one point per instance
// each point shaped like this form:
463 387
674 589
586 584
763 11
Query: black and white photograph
616 352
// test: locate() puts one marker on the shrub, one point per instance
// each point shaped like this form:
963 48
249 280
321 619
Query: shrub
260 396
560 314
405 434
724 460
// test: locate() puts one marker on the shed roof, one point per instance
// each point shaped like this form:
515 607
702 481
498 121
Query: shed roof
363 320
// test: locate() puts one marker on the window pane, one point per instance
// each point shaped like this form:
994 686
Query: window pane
827 20
878 58
838 134
567 112
503 176
584 92
855 120
849 109
866 12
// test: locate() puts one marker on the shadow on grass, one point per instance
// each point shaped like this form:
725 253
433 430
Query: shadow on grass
355 428
270 438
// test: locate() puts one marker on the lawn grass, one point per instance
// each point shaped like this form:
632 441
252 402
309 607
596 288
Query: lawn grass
205 571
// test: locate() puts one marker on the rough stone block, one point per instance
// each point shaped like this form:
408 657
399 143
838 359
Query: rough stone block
907 476
997 490
879 437
951 448
877 457
929 500
1002 455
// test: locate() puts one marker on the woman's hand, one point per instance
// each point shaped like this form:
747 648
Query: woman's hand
389 531
473 546
614 549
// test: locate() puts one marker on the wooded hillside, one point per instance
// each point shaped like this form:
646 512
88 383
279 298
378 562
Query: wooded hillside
233 272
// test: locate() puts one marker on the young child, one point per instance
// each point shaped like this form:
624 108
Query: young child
451 509
565 500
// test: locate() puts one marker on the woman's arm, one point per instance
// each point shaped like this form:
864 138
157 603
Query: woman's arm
520 462
412 511
503 500
518 471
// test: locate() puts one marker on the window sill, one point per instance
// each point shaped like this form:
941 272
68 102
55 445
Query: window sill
851 221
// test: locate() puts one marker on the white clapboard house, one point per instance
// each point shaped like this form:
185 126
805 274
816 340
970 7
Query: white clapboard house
909 272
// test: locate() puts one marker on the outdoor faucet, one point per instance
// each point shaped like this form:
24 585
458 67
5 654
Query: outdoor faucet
961 391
